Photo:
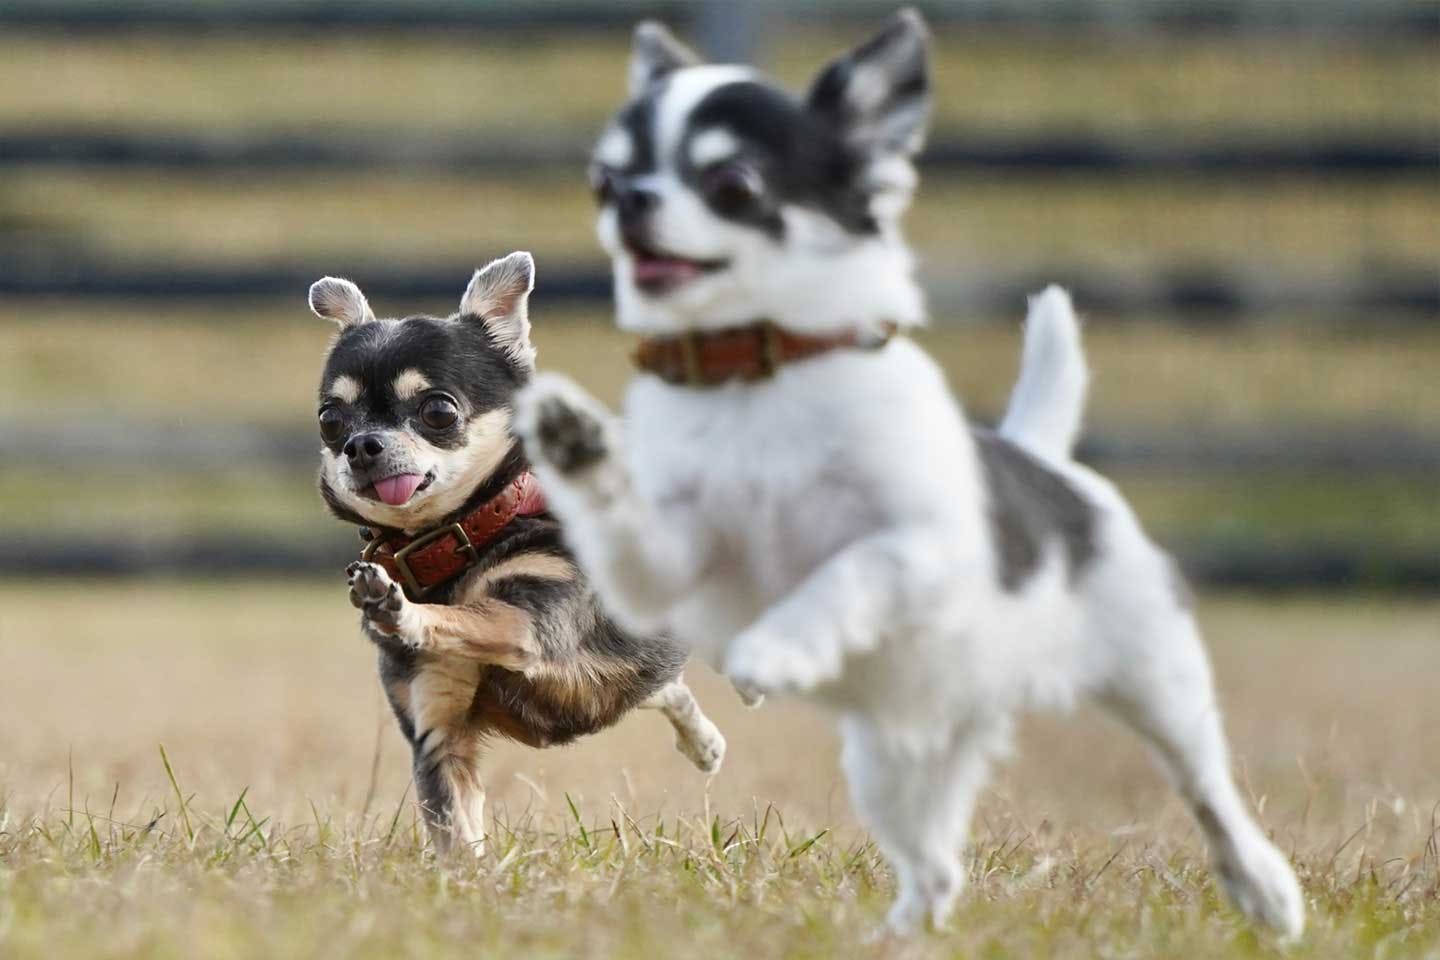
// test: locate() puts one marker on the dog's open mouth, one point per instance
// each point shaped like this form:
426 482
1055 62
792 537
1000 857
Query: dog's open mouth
656 271
397 490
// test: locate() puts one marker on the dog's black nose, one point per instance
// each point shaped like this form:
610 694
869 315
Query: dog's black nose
362 449
632 205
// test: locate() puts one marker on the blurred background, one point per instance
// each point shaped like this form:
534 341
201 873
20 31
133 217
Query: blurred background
1244 196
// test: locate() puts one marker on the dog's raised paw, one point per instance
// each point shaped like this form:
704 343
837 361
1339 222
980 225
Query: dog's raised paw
562 425
569 438
760 664
376 596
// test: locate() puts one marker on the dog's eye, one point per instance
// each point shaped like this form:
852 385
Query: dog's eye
332 423
732 187
602 183
437 413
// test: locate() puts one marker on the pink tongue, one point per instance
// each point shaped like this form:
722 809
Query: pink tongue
651 269
397 489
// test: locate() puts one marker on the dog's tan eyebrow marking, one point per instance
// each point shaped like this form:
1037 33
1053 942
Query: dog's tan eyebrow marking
344 388
713 146
409 383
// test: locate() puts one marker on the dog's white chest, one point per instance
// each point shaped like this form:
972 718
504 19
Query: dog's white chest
769 483
780 476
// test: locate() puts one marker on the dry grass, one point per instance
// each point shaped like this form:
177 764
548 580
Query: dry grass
280 835
568 81
967 224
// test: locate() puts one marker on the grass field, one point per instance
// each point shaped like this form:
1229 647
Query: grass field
286 829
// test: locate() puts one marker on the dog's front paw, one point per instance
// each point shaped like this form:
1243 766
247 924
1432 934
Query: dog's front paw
379 600
761 663
562 425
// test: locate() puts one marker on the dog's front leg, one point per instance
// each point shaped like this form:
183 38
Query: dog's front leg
843 608
446 753
640 565
488 631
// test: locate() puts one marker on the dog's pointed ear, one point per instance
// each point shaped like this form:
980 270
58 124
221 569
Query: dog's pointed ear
655 53
337 299
499 295
877 96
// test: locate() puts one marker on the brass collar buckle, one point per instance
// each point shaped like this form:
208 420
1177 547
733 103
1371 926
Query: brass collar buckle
402 556
770 353
690 345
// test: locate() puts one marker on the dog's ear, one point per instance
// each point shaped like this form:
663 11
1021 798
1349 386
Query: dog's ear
499 295
654 54
877 96
334 298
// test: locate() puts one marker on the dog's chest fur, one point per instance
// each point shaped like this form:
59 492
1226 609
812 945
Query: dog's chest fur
779 476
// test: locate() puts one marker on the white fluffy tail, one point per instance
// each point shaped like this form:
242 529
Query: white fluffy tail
1049 398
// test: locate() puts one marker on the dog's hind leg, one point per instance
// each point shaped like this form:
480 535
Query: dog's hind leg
695 735
447 755
1164 691
916 801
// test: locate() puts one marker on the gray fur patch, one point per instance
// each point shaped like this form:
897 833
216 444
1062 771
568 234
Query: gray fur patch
1029 505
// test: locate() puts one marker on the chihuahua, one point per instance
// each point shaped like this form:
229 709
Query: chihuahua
483 624
796 494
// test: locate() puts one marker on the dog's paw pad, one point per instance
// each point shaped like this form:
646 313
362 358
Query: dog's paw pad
569 437
377 596
561 424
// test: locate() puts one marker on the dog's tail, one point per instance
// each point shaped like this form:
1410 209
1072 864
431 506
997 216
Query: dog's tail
1049 398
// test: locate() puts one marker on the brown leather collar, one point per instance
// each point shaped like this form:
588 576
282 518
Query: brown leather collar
710 357
420 564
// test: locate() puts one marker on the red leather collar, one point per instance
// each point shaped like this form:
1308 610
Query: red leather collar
710 357
422 563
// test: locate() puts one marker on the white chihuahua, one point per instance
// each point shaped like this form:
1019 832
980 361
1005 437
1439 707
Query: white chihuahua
797 495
